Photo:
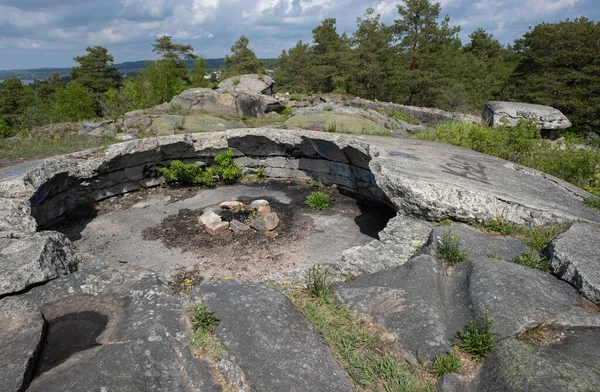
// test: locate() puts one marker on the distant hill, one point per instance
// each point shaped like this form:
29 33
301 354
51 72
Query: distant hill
130 68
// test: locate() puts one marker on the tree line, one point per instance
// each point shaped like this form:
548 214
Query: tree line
418 60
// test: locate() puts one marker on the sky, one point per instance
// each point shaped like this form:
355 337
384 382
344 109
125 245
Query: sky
49 33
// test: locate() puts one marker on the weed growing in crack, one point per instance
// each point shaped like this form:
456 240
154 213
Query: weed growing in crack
532 260
202 319
444 222
260 172
202 339
318 201
446 363
478 338
537 237
317 283
448 248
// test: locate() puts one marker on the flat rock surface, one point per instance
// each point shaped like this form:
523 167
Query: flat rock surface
143 346
575 258
476 244
426 304
547 117
269 339
30 259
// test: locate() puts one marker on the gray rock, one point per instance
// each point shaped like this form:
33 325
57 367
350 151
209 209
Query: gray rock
98 129
258 203
426 304
476 244
137 123
30 259
397 243
208 217
251 84
144 345
269 339
216 209
207 100
265 223
575 258
497 113
124 137
237 226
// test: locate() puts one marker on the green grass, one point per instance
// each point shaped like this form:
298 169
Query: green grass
317 201
532 260
593 202
443 222
536 237
522 144
448 248
446 363
202 339
32 148
478 338
373 363
317 283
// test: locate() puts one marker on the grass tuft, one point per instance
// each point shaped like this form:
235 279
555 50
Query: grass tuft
536 237
532 260
318 201
317 283
478 338
448 248
446 363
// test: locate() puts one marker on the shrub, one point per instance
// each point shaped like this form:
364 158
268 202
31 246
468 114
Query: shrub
446 363
296 97
317 201
448 248
478 338
287 111
5 130
186 174
260 173
225 168
317 283
202 319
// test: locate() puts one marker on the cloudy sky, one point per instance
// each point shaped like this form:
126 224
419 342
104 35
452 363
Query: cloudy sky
49 33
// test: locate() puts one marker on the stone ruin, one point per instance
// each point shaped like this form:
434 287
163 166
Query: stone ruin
132 332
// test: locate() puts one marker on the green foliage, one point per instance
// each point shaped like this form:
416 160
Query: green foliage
242 60
73 103
287 111
536 237
532 260
331 127
478 338
448 248
317 201
296 97
444 222
260 173
446 363
202 319
593 202
187 174
225 168
5 130
235 81
317 283
521 144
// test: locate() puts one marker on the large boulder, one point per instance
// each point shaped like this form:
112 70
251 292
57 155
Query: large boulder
98 129
251 84
125 327
575 258
207 100
266 337
33 258
498 113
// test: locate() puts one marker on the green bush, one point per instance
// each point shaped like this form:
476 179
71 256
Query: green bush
296 97
478 338
446 363
593 202
522 144
202 319
5 130
448 248
225 168
317 283
287 111
260 173
187 174
317 201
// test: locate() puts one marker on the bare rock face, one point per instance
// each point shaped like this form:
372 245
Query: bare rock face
251 84
99 129
497 113
575 258
30 259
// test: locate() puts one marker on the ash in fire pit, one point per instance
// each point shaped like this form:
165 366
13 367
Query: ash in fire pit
68 335
230 215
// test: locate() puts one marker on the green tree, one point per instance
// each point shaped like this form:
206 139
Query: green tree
14 99
242 60
371 54
560 66
96 74
170 51
296 69
73 103
332 53
428 48
198 73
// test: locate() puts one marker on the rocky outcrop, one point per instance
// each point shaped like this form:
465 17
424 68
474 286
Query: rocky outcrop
265 336
498 113
33 258
251 84
141 340
102 128
575 258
